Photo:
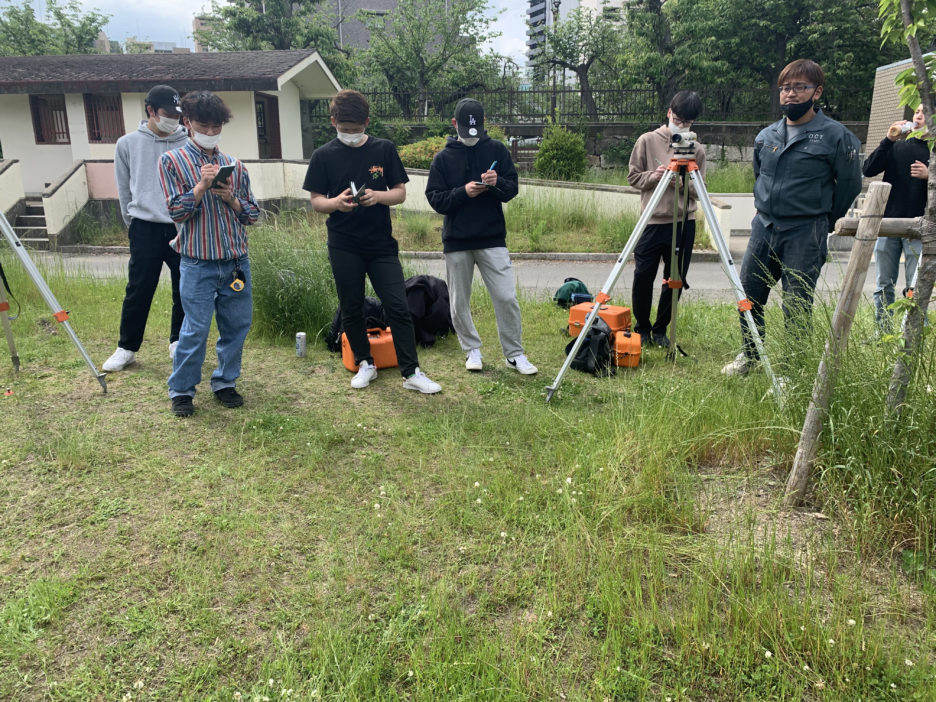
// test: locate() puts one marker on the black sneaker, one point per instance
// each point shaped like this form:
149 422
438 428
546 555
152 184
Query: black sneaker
661 340
182 406
229 397
644 340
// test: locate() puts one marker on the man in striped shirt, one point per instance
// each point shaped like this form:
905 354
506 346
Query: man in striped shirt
210 212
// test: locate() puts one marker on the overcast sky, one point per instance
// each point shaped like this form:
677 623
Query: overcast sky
171 20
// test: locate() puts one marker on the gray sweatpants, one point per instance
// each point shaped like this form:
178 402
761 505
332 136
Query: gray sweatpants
497 273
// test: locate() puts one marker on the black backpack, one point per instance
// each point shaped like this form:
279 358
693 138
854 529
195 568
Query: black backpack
596 354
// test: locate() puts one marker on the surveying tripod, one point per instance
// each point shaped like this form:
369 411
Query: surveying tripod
58 312
682 163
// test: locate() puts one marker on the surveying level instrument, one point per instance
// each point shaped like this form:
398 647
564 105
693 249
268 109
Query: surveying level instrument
58 312
682 163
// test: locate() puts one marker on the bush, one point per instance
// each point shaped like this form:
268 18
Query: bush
420 153
561 156
293 289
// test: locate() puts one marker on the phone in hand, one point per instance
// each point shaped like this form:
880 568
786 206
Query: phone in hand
222 176
356 193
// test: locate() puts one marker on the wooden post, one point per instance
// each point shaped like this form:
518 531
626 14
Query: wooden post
904 228
870 222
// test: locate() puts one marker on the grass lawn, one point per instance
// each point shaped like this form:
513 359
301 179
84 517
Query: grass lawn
624 542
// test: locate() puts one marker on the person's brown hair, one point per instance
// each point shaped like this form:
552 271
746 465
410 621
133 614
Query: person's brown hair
807 69
350 106
205 107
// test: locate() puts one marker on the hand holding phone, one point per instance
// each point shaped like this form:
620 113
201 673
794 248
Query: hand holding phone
222 176
356 193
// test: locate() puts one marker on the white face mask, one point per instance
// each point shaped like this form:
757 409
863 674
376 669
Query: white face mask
166 125
206 141
350 139
469 141
677 130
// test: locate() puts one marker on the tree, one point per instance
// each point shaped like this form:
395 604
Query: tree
425 47
904 21
67 29
576 44
262 25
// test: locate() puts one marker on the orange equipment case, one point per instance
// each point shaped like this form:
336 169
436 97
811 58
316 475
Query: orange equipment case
626 349
618 318
381 348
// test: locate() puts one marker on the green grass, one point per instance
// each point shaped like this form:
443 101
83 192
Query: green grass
722 178
624 542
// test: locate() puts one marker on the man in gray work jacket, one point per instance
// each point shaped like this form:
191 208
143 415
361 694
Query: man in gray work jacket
807 175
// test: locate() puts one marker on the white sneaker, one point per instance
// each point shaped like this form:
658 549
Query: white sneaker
172 348
420 381
741 366
120 359
366 373
522 365
473 360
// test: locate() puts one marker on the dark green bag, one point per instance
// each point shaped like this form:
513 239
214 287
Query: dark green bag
563 296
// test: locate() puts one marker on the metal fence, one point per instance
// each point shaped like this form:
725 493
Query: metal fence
510 106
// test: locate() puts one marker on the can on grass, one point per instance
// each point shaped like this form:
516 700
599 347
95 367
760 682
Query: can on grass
301 344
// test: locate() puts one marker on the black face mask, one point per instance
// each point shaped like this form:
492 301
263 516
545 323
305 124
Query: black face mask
794 110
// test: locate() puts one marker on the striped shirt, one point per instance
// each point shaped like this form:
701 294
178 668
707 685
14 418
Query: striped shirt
209 230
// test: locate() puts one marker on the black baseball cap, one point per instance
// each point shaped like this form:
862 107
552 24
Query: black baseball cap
469 118
165 97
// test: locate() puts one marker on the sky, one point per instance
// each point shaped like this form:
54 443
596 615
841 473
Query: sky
171 20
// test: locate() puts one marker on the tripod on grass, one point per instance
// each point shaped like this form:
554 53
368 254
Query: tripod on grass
682 163
58 312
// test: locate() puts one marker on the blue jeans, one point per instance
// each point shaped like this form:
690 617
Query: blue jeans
794 256
887 253
205 288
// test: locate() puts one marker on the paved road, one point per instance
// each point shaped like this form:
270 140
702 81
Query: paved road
537 277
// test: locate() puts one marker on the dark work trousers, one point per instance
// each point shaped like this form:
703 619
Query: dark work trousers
149 249
794 255
386 275
656 243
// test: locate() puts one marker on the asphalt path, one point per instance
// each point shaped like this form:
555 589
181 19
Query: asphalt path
538 277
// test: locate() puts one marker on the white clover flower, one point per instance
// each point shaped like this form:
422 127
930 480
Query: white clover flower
831 642
376 505
477 484
820 685
270 682
619 669
503 534
520 499
851 622
139 684
806 668
478 500
559 491
893 686
549 613
768 654
908 662
409 674
568 481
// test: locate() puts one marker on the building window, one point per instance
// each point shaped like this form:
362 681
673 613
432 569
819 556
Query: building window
50 123
104 117
261 120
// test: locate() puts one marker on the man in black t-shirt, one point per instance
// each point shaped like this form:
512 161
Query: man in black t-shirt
354 179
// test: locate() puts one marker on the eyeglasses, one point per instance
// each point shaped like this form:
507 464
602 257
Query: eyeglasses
799 89
679 122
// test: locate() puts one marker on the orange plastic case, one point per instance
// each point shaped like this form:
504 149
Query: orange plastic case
626 349
381 348
618 318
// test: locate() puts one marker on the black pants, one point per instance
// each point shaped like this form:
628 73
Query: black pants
149 249
656 243
386 275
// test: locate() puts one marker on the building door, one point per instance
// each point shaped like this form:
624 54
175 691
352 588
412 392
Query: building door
268 130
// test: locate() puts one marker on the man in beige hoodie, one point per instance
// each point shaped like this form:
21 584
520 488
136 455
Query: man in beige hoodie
648 161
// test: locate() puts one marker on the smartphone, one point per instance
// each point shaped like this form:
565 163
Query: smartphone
222 176
356 193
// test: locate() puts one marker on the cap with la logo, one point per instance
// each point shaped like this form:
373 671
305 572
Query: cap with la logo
469 118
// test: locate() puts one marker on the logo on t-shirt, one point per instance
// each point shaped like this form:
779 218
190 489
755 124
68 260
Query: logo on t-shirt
376 172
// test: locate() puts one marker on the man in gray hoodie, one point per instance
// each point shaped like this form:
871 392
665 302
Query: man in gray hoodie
150 229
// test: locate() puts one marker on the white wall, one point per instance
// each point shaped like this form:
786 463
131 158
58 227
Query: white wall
65 202
11 187
239 136
39 163
290 122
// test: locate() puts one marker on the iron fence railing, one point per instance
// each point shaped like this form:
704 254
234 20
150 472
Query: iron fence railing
509 106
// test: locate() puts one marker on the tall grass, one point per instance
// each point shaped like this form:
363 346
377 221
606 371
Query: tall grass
292 279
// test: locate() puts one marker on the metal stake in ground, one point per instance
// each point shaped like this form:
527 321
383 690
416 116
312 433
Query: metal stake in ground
58 312
683 161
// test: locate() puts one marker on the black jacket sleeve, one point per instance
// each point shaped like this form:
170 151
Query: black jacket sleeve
443 198
877 161
507 178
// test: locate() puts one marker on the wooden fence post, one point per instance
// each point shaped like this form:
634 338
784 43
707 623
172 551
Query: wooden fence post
842 319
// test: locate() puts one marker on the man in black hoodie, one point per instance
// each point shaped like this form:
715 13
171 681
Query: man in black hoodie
468 182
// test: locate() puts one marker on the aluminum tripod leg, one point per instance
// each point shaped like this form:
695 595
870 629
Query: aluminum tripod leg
605 293
7 330
728 266
57 311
